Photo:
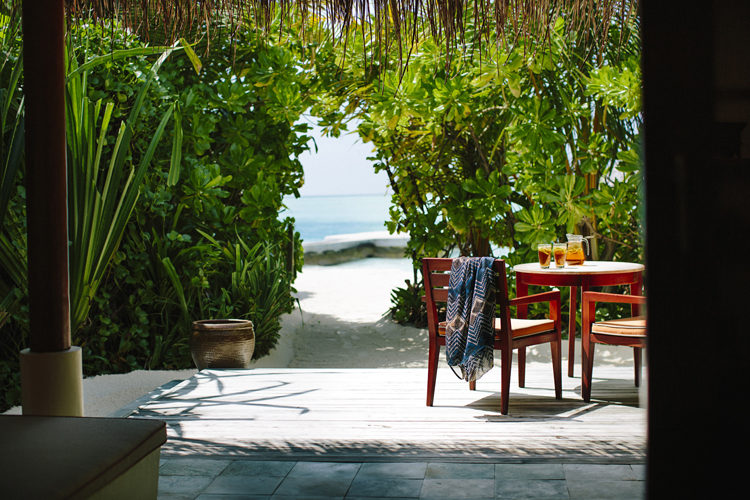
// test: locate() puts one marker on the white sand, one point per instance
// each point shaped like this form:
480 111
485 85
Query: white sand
344 319
342 323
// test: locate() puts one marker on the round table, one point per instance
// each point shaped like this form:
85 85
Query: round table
585 276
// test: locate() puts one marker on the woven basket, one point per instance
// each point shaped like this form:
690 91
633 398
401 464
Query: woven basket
222 343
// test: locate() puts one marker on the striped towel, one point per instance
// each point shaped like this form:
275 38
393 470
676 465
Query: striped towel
469 330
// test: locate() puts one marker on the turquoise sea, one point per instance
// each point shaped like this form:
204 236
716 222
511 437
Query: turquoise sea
320 216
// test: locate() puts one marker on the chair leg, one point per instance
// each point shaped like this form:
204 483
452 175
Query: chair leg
506 357
521 367
572 330
556 351
587 347
587 364
637 363
432 363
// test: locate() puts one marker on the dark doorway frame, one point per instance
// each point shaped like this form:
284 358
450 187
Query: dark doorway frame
697 198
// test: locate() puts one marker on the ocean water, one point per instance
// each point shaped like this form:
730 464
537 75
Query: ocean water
320 216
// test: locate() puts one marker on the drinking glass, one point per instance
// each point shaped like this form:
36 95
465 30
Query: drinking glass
559 250
545 254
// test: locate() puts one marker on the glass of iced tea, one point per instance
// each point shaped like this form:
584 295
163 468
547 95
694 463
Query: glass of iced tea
545 254
559 250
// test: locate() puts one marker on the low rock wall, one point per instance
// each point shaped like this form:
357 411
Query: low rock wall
348 247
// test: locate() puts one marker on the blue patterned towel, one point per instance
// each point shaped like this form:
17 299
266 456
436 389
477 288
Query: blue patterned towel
469 330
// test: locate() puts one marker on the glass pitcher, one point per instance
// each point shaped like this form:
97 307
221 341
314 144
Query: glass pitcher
575 255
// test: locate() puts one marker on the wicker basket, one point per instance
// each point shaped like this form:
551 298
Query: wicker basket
222 343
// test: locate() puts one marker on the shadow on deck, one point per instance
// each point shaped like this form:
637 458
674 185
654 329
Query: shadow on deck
380 415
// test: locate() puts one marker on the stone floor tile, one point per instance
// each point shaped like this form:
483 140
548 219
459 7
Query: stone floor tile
314 486
315 497
333 469
385 487
529 471
243 485
518 489
457 489
393 470
376 498
639 471
327 479
607 490
450 470
274 468
186 485
599 472
210 496
192 467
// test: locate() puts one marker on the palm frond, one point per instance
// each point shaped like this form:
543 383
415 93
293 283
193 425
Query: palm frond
101 197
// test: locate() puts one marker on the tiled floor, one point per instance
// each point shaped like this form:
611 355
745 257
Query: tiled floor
212 478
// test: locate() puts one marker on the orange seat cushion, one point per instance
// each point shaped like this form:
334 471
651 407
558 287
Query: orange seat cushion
631 327
519 327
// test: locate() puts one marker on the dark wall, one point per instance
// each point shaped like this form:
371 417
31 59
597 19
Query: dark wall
696 63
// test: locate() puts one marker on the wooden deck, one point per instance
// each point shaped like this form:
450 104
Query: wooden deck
380 414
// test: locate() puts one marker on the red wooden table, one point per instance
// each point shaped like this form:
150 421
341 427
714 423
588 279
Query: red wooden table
585 276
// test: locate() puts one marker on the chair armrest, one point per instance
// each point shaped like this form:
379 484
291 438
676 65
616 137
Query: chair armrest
552 295
613 298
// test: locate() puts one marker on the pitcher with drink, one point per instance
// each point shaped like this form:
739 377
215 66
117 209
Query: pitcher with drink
575 255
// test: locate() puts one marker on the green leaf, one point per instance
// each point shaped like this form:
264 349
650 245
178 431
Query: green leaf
176 158
177 286
514 84
194 59
393 122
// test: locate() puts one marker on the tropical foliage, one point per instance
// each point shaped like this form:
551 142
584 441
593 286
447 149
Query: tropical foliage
178 168
492 157
207 222
12 229
102 192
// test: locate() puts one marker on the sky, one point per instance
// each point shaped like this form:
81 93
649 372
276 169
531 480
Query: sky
340 166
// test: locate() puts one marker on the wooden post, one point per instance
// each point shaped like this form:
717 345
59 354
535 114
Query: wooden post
46 180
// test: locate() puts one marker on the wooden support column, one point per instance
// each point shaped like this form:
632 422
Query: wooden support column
46 180
51 369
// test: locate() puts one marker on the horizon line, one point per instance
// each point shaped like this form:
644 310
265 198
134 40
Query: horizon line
336 195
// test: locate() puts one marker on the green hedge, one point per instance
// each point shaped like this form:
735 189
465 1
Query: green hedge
206 237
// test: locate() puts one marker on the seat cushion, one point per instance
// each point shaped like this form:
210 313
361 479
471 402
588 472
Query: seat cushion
71 457
631 327
526 327
520 327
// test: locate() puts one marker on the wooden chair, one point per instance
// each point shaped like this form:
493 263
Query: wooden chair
626 332
509 333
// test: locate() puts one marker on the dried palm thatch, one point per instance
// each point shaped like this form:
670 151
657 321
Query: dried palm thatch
390 23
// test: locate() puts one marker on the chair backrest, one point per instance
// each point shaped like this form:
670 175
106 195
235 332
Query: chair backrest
436 275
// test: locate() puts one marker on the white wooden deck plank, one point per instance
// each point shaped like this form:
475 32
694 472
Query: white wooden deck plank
381 412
